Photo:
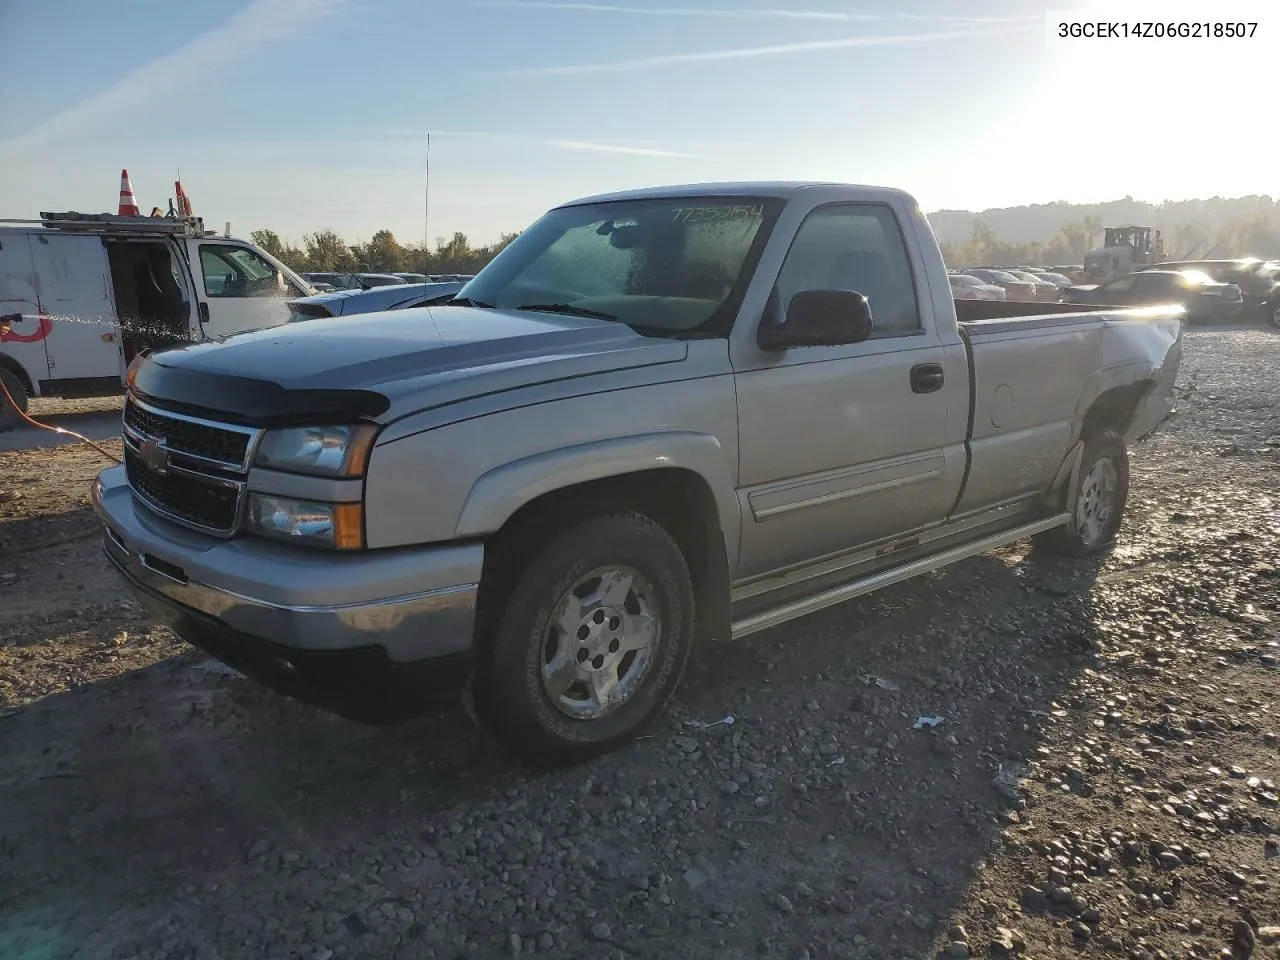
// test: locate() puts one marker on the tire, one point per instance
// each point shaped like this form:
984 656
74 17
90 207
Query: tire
546 716
9 418
1103 484
1273 315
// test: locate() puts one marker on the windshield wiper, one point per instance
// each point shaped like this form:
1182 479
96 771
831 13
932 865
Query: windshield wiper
568 310
468 302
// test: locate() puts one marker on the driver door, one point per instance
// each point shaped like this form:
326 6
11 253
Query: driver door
242 290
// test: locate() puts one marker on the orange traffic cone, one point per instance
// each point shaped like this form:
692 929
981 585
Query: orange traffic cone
128 205
184 202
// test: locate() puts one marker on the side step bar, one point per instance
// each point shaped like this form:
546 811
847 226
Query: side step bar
885 578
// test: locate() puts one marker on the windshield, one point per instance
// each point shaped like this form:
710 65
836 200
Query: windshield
674 265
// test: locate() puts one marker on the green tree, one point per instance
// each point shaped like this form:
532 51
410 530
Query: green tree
326 252
383 254
269 241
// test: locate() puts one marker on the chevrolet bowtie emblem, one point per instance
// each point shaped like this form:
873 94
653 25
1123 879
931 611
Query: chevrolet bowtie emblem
154 456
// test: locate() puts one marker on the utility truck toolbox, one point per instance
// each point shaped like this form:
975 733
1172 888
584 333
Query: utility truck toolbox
656 418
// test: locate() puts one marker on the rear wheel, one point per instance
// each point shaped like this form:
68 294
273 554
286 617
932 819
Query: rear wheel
590 645
1098 501
9 413
1273 315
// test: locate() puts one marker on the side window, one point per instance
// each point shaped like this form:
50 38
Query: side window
1123 285
235 272
854 247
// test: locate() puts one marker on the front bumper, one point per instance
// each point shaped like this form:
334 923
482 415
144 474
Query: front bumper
375 636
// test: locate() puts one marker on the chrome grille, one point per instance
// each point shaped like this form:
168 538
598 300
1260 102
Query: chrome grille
214 443
187 469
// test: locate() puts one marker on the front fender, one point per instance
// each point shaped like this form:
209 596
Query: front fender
499 493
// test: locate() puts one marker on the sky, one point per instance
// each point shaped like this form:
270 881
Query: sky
300 115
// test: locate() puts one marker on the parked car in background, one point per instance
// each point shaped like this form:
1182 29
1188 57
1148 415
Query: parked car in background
343 303
1014 288
965 287
413 277
1046 291
1256 279
1062 282
354 281
1205 299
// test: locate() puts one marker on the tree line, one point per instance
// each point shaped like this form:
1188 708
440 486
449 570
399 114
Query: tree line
1061 233
326 252
1253 237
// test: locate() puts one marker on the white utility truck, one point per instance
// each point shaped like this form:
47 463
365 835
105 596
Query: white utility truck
81 294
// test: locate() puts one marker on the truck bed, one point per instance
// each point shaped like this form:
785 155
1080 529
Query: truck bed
1035 369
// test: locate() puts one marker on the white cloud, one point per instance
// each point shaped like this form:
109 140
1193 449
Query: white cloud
259 23
745 53
734 13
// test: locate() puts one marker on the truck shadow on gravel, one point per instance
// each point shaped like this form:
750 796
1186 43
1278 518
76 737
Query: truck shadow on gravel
818 807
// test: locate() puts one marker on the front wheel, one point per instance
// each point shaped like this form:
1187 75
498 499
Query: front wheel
1273 315
591 644
1098 501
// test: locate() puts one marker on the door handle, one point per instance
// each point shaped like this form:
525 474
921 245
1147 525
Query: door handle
926 377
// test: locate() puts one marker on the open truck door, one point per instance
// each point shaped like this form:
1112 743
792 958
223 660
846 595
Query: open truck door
242 289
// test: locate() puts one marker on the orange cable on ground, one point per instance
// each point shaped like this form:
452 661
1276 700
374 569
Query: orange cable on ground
62 430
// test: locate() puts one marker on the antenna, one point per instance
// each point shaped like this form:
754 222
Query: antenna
426 200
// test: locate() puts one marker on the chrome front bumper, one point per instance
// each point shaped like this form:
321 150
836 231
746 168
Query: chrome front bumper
413 604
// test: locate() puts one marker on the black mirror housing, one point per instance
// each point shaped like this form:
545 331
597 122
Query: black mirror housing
819 318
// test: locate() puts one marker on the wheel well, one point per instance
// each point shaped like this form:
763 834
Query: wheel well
677 499
16 369
1114 408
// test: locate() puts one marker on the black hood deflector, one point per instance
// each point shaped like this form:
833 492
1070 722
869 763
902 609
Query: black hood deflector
252 402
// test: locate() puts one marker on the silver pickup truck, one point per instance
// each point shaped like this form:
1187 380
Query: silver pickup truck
656 418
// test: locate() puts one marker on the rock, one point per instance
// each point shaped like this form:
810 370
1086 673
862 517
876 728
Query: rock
1080 930
695 878
601 931
1060 894
957 950
783 903
1033 898
1269 935
1169 860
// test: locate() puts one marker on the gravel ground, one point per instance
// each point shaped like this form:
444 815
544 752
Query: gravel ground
1103 782
96 418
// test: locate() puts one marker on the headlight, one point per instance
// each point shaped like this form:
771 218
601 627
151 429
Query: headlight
341 451
335 525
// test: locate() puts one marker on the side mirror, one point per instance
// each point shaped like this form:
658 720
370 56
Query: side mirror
819 318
